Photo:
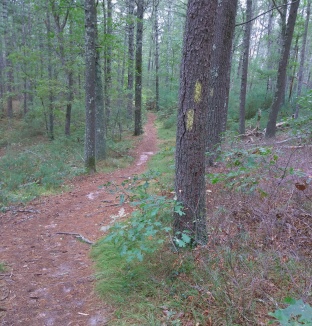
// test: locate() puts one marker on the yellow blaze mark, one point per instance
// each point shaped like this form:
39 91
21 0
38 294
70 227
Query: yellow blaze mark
198 92
189 120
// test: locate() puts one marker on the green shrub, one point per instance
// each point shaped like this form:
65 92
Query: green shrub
297 313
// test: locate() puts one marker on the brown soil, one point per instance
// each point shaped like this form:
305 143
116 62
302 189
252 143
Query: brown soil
49 279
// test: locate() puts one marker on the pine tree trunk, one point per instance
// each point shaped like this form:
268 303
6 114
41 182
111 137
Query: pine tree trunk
8 63
90 58
138 70
156 3
100 128
269 51
243 90
130 58
282 68
192 119
302 57
108 58
219 78
50 75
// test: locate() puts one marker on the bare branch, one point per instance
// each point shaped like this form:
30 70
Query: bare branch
264 13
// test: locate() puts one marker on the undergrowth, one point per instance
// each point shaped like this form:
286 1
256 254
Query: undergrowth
258 252
31 166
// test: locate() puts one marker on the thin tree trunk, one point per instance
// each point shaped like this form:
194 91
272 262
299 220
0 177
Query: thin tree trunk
50 76
156 3
269 51
130 58
292 77
243 89
70 78
302 57
282 68
90 59
108 58
100 134
138 70
8 63
168 43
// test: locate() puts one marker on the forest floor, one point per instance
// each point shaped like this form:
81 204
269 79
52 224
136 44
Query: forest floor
49 278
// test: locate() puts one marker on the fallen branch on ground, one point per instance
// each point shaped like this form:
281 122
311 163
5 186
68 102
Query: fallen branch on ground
78 236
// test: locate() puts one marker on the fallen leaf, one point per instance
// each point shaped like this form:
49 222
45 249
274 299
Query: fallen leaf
300 186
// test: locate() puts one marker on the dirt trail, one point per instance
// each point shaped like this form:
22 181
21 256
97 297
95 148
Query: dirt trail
49 281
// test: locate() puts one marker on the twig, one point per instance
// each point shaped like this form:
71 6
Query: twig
297 147
78 236
111 205
284 141
172 241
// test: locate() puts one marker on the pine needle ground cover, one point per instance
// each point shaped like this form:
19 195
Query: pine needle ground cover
259 248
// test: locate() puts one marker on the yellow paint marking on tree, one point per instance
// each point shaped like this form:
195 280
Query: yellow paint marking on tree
189 120
198 92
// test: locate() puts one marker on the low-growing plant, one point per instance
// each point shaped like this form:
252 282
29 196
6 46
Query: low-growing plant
247 168
2 267
242 165
297 313
149 224
26 172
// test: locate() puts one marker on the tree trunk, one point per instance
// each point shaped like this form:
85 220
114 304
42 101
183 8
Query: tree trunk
282 68
243 89
192 119
8 63
302 58
293 73
100 128
130 58
219 78
90 58
269 51
156 3
70 78
138 70
50 76
108 58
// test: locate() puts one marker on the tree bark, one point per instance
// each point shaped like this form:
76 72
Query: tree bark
269 51
156 4
219 78
302 57
108 59
100 127
243 90
7 61
130 58
90 59
138 70
282 68
192 119
50 76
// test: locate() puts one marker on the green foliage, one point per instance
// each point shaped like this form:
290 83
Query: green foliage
2 267
243 172
27 172
257 98
148 225
297 313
